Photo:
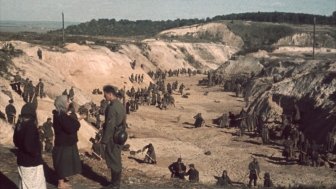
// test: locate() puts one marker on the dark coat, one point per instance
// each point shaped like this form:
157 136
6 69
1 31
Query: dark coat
178 170
26 139
65 128
193 175
47 129
115 114
10 110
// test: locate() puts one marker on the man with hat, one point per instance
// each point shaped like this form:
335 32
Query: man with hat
193 173
115 116
10 112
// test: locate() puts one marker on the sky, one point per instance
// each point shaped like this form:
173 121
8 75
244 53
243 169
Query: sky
85 10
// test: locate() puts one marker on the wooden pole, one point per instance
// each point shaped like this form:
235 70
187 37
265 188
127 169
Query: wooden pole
63 39
314 39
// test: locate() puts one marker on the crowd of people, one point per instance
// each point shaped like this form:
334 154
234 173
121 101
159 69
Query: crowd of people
58 135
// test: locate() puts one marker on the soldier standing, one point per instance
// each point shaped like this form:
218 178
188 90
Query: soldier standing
115 116
10 112
288 149
48 135
254 170
40 89
265 134
71 94
31 91
39 53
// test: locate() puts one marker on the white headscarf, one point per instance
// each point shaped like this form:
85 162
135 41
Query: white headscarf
61 103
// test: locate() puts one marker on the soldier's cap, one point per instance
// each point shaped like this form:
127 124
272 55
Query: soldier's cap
48 119
192 165
11 101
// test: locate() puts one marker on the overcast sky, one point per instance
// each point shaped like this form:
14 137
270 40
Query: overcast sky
85 10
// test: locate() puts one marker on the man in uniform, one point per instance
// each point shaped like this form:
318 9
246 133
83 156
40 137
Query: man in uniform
177 169
31 91
288 149
40 89
48 135
150 154
115 116
71 94
193 173
10 112
39 53
254 170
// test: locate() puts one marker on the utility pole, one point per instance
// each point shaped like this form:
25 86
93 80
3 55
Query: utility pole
63 39
314 38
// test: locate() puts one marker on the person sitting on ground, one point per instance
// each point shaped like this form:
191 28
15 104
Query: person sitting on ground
177 169
193 173
199 121
224 180
150 154
267 180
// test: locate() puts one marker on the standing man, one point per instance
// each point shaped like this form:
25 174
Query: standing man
71 94
10 112
40 88
254 172
39 53
115 115
48 135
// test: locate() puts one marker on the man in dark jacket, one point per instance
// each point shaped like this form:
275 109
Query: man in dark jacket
115 115
40 89
48 135
193 173
177 169
254 172
10 112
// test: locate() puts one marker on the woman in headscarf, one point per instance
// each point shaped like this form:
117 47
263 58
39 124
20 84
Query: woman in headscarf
29 158
65 152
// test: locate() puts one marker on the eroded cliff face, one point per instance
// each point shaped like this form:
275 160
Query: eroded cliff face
282 80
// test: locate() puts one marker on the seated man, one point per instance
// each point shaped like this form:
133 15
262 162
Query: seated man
199 121
193 173
224 180
150 154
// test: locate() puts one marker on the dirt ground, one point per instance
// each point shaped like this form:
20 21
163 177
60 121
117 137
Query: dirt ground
172 134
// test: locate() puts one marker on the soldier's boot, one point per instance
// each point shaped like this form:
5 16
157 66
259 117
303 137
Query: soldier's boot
116 179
